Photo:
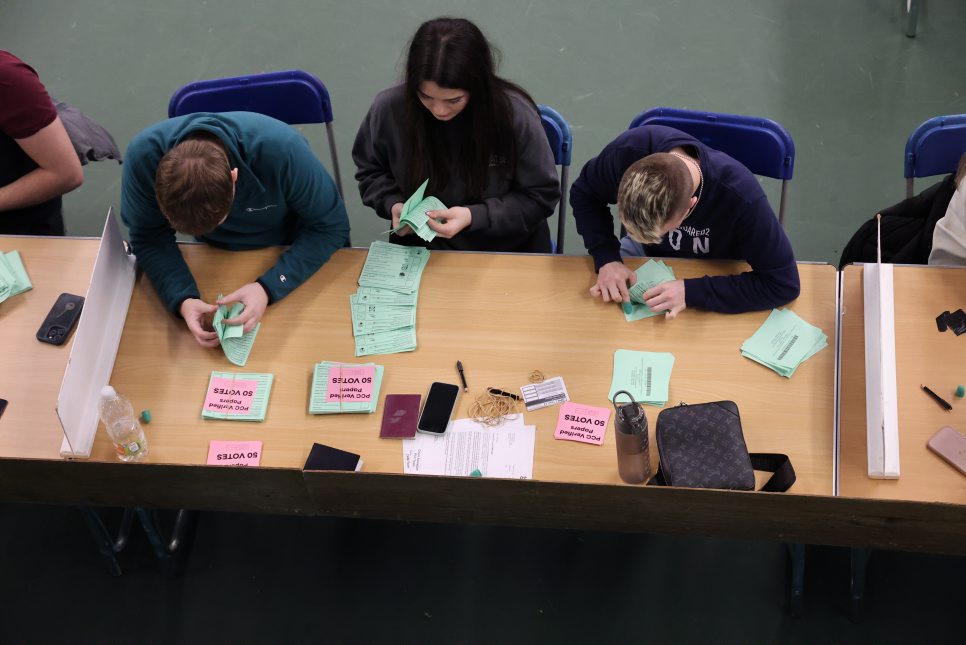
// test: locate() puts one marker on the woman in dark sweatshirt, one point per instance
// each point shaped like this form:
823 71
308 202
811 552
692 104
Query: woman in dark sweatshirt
475 136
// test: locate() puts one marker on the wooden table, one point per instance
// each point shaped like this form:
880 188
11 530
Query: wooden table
502 316
923 356
31 371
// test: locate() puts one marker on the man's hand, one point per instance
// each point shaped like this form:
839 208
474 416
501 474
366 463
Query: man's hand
396 212
613 279
194 312
253 296
455 219
667 297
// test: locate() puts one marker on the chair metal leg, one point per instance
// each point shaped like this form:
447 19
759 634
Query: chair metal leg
169 554
562 211
107 545
796 581
781 204
860 564
336 174
912 17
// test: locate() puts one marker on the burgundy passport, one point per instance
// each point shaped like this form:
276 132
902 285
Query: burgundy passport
399 416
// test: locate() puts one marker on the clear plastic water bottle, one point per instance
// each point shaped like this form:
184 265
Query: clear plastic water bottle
633 451
123 427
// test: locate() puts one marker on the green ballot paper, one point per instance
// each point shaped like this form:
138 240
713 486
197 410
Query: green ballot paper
236 344
237 397
783 342
384 308
646 375
394 267
13 275
345 388
414 212
650 274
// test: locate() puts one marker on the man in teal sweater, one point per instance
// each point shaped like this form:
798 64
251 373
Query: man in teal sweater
238 181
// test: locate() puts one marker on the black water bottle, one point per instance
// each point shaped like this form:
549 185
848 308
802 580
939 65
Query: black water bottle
633 454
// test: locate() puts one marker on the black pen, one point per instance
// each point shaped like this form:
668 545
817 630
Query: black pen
938 399
459 368
498 392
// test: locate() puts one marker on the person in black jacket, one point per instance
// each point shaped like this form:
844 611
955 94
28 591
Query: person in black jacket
477 138
907 227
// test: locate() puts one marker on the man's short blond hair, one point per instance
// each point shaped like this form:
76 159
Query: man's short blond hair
194 186
652 191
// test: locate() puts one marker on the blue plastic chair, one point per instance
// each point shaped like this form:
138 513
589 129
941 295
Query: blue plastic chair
761 145
934 148
293 96
561 144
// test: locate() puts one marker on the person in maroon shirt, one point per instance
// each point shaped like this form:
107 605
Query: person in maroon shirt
38 164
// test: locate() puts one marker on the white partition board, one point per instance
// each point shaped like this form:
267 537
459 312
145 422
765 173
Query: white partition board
881 398
96 341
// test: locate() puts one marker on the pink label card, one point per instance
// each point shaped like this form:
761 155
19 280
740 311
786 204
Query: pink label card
234 453
230 396
350 383
585 423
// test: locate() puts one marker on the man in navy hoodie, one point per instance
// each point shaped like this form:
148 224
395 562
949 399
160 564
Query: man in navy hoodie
679 198
236 180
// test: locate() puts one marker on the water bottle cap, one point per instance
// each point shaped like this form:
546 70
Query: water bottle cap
108 392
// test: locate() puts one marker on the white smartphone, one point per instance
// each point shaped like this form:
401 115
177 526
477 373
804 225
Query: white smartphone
951 446
438 408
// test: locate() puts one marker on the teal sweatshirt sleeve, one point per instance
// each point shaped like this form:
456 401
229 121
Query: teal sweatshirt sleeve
322 223
152 238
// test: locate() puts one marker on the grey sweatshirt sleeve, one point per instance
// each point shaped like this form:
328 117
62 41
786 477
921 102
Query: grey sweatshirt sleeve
372 153
535 188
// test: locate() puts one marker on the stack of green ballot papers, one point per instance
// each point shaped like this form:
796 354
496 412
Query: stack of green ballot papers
384 307
13 276
237 397
341 400
650 274
236 344
784 342
414 212
645 375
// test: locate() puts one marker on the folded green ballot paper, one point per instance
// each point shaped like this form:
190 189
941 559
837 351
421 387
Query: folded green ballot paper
650 274
783 342
646 375
236 344
13 275
414 213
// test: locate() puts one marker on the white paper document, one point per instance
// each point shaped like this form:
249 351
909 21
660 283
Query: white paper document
504 452
544 394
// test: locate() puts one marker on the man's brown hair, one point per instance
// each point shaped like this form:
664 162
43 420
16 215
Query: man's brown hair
651 192
194 186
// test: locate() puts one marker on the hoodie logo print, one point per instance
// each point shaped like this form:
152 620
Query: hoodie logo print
263 208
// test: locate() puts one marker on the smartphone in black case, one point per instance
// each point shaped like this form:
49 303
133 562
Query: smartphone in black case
61 319
438 408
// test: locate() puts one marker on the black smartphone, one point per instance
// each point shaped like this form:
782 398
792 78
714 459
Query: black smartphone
438 408
61 319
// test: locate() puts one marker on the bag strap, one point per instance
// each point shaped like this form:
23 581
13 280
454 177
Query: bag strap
780 465
783 474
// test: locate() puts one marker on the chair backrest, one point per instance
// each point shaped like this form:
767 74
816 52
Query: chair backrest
293 96
561 141
763 146
934 148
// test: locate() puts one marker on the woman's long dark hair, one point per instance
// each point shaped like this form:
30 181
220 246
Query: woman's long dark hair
454 54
